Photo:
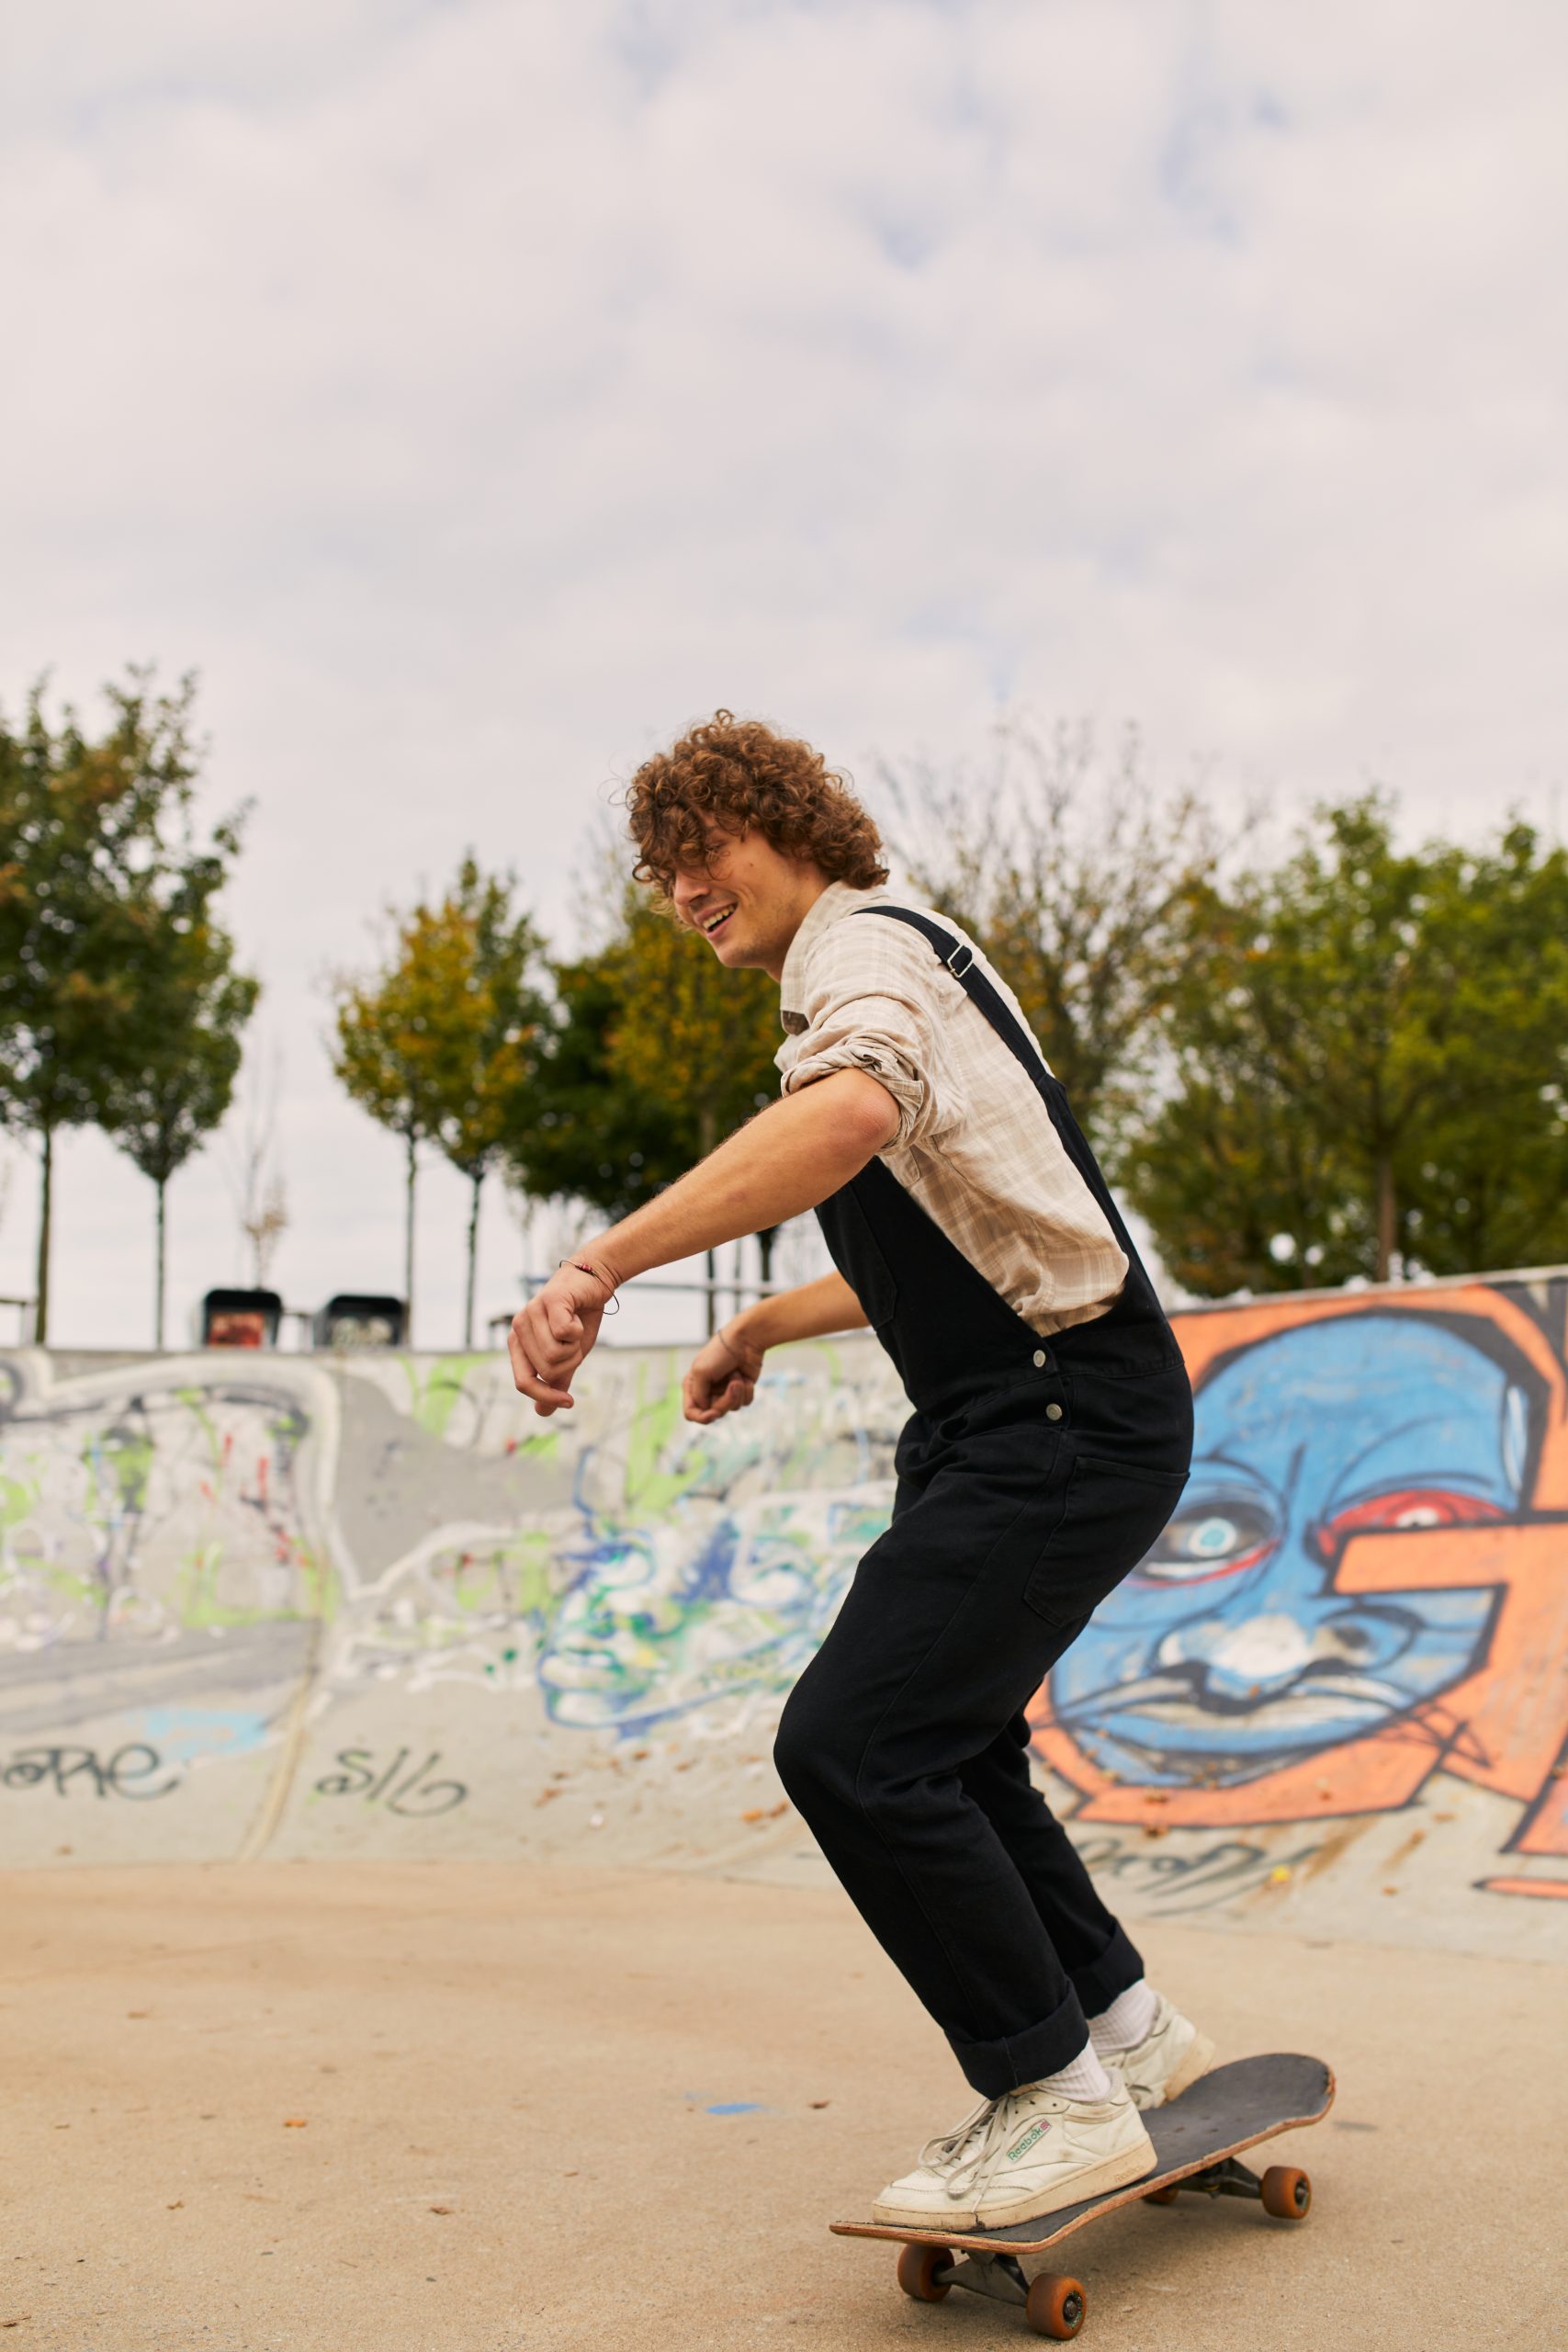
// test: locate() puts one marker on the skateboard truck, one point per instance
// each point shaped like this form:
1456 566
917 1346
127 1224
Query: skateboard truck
1282 2191
1000 2276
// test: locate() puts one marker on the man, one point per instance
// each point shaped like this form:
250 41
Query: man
1049 1443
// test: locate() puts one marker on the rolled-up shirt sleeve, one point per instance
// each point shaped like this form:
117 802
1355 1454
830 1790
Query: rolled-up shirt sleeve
866 1009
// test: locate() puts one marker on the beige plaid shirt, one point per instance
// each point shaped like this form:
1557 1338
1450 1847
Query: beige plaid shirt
976 1146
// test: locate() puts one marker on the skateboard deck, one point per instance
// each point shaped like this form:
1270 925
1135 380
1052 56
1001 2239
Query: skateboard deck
1197 2139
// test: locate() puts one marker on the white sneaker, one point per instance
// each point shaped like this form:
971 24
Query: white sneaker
1048 2150
927 2198
1172 2054
1019 2156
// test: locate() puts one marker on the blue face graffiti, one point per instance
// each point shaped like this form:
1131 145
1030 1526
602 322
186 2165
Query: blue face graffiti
1230 1652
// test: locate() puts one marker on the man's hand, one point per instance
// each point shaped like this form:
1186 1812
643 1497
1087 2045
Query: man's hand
551 1335
723 1377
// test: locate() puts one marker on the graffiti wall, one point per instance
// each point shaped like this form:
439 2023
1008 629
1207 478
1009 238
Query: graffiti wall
1351 1643
306 1605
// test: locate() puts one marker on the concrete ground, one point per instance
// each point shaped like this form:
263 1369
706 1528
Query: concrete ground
470 2107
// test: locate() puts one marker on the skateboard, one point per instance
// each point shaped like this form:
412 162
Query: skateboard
1197 2139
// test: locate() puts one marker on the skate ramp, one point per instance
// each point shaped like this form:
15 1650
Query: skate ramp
371 1607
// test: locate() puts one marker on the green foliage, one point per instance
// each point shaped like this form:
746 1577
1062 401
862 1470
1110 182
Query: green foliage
105 913
594 1137
442 1043
193 1006
656 1053
488 1016
1365 1064
700 1036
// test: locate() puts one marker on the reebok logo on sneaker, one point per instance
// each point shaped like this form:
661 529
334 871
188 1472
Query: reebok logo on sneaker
1020 2147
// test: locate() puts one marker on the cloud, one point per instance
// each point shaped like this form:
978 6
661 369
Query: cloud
474 392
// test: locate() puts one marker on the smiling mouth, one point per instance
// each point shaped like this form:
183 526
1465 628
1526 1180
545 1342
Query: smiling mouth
713 925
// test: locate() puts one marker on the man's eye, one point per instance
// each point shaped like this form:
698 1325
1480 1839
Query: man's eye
1404 1510
1208 1537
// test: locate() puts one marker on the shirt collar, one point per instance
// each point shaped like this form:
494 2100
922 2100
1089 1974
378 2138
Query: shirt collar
838 899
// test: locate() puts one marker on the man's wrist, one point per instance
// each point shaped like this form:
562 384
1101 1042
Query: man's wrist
592 1258
748 1328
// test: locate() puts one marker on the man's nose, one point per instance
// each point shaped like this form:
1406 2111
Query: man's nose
687 889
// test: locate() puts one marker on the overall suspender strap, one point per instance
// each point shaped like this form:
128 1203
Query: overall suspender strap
992 1007
960 961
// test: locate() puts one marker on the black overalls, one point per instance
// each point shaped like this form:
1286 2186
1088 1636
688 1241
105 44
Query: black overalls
1032 1477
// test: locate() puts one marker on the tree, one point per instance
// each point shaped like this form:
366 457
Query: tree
440 1043
386 1059
1364 1063
1486 1183
99 860
699 1037
488 1031
594 1136
192 1006
654 1053
1074 876
255 1178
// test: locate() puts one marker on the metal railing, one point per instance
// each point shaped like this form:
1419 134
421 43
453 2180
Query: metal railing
700 1287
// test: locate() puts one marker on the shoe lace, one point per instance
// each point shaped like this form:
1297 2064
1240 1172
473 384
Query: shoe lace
962 2155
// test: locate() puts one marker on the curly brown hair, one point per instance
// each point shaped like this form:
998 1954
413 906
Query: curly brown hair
735 775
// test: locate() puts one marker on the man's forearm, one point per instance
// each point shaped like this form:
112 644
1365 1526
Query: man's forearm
791 1156
808 1312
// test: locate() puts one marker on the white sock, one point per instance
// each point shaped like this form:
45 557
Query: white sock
1127 2021
1084 2078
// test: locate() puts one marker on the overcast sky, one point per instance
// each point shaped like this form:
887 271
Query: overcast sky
474 393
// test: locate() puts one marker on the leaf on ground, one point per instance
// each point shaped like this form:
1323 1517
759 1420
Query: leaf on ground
294 2123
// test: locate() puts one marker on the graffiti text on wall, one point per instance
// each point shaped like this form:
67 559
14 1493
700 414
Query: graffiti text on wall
63 1771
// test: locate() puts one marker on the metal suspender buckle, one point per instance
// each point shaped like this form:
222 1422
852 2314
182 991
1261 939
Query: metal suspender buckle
959 961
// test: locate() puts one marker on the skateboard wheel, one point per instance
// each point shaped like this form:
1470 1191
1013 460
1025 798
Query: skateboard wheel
1287 2194
1166 2196
1056 2306
918 2267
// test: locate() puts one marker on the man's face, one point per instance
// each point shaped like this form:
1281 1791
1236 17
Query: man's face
747 898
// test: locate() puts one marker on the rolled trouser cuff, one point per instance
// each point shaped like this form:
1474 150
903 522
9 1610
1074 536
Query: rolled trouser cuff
998 2067
1004 2064
1117 1968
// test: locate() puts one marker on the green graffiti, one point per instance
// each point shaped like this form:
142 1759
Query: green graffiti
118 1462
649 1487
19 1499
433 1400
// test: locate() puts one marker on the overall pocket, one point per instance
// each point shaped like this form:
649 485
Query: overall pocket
1111 1516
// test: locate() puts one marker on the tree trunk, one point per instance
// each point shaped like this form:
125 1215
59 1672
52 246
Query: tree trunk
46 1212
408 1243
158 1278
1387 1230
473 1259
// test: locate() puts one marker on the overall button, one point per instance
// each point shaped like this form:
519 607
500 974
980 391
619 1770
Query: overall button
1041 1359
1053 1412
